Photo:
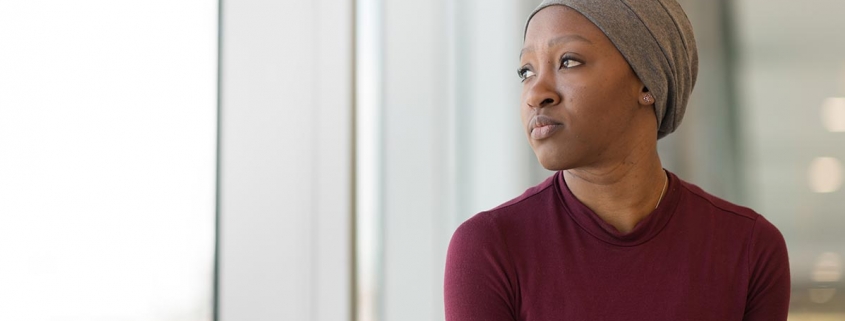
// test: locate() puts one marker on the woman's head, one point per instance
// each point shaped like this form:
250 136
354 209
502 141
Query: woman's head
606 76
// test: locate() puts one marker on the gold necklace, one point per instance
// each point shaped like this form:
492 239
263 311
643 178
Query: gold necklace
665 182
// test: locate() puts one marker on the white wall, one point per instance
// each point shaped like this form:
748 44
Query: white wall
285 160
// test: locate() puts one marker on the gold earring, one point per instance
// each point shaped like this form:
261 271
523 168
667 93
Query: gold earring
647 98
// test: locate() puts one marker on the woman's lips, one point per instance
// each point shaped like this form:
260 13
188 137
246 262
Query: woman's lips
543 132
542 127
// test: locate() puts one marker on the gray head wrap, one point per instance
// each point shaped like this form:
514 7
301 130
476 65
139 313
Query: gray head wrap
655 37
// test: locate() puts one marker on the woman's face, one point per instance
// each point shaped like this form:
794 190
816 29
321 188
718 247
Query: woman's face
582 105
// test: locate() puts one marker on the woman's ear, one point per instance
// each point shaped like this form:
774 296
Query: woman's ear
646 98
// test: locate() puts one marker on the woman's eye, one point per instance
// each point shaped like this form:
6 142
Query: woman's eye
569 63
525 73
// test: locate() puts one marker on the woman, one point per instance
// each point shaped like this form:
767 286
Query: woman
612 235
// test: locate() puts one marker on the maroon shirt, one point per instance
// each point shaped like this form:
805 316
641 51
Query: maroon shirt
546 256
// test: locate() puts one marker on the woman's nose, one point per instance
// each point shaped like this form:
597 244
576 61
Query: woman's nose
542 93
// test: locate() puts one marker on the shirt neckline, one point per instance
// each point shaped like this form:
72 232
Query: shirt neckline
644 231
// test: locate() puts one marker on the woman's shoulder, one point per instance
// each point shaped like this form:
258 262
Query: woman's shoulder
700 199
729 217
541 193
536 201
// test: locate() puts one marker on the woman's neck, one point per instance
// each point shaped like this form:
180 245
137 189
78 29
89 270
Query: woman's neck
623 193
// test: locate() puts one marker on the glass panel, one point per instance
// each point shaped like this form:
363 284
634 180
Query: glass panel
792 81
107 170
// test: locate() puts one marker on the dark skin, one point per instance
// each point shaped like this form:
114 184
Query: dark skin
586 113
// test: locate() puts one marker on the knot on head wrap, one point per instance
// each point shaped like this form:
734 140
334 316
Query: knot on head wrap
655 37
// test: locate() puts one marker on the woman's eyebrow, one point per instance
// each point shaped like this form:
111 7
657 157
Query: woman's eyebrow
557 41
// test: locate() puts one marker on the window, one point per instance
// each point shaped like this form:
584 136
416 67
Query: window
108 115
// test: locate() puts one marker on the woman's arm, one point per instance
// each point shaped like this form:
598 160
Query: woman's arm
769 286
477 283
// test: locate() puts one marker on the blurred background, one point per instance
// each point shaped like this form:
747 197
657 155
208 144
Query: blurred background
309 160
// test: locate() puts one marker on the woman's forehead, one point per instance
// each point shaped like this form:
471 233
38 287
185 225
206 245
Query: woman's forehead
560 40
559 25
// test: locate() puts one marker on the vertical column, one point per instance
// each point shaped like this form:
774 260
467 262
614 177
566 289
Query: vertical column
416 147
285 165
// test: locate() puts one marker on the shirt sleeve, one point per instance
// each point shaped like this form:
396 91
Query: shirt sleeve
477 284
769 284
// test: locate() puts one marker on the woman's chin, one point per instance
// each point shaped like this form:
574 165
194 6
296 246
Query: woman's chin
552 163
